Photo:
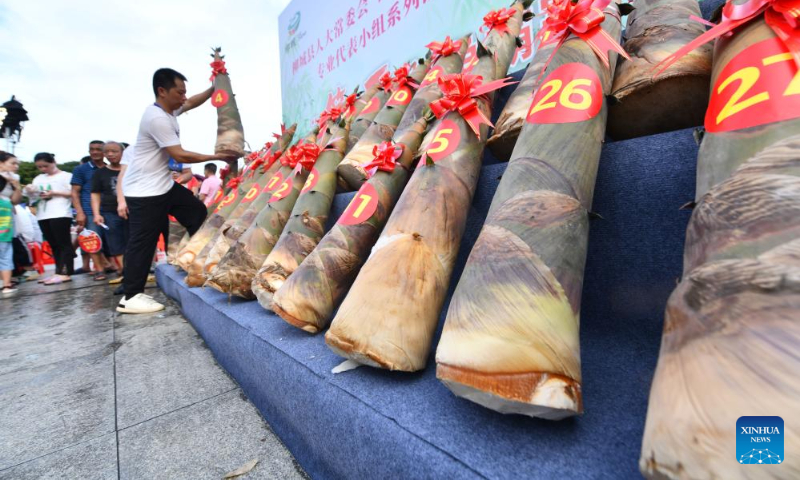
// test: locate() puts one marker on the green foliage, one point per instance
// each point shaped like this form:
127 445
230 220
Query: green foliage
27 170
68 166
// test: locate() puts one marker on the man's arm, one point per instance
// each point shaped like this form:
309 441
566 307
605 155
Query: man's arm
185 176
184 156
122 206
80 215
196 100
98 219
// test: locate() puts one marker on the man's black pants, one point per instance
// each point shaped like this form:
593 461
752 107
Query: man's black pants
147 217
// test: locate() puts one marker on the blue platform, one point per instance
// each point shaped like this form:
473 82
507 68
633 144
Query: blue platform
369 423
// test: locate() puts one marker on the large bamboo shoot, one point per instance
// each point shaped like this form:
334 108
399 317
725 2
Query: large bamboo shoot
390 314
676 98
510 340
732 325
230 133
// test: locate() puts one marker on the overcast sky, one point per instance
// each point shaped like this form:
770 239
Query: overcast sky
83 68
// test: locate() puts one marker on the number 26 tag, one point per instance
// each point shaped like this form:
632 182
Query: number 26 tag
571 93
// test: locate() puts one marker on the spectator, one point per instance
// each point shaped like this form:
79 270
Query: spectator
211 184
82 202
6 236
26 231
9 165
104 204
54 212
150 192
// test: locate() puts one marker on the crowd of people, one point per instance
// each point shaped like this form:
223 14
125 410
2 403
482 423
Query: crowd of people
57 206
121 196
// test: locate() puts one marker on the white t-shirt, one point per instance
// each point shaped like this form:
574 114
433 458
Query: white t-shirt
148 172
56 207
127 154
8 190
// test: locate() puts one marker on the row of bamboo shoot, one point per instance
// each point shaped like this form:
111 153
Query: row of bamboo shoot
378 279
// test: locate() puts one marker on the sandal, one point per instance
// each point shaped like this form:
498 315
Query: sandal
57 280
100 276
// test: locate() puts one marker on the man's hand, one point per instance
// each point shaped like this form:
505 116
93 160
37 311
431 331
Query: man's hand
80 219
122 209
99 220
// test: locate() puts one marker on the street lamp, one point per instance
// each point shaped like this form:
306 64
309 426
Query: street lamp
12 116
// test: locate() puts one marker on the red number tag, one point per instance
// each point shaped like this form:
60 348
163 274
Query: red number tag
471 58
372 106
282 191
361 207
311 181
274 182
230 198
90 241
445 141
219 98
400 97
217 196
252 193
432 76
760 85
571 93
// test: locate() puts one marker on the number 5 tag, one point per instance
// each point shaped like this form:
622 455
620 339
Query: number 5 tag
571 93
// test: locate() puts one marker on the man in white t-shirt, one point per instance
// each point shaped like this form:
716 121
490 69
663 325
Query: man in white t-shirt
149 190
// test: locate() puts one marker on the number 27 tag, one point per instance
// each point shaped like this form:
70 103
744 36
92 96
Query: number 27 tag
571 93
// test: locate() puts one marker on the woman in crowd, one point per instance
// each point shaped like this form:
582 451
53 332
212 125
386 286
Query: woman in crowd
104 204
10 194
54 213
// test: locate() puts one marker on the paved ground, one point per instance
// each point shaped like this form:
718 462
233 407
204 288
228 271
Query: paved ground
89 393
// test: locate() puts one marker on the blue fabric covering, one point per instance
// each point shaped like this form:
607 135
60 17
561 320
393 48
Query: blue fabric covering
369 423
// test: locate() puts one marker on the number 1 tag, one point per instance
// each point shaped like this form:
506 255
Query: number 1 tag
362 207
571 93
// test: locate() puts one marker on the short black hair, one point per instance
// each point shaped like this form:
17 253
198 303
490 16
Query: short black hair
5 156
97 142
3 182
211 167
165 78
86 159
44 157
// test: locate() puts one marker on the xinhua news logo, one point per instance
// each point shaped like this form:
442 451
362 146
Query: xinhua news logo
759 440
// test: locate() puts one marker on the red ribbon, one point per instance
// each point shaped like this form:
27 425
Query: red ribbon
301 155
402 78
234 182
224 172
329 115
498 20
584 19
350 105
385 158
443 49
460 92
269 159
217 68
386 82
782 16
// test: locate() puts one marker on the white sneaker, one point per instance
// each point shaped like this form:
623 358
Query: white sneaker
140 303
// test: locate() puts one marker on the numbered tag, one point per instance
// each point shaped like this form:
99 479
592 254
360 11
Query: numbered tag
90 241
283 191
219 98
229 198
274 182
361 207
311 181
445 141
433 76
252 193
217 196
471 58
372 106
400 97
760 85
571 93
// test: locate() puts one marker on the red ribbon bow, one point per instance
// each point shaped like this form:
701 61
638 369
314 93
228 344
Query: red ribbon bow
269 159
267 146
498 20
302 155
782 16
234 182
329 115
443 49
386 82
350 105
460 91
401 78
224 172
217 68
584 19
385 158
